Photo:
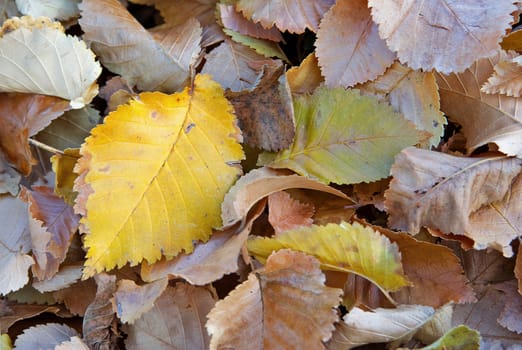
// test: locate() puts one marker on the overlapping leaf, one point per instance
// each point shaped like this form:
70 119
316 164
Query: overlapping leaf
233 20
345 138
286 213
185 146
55 9
507 78
45 336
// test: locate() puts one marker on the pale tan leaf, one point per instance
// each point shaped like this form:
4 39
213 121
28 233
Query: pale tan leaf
437 326
441 35
230 64
54 63
286 213
210 260
9 177
176 321
259 183
507 78
440 191
276 306
306 77
349 48
54 9
235 21
125 47
44 337
414 94
131 300
15 243
293 16
361 327
74 344
484 118
13 313
65 277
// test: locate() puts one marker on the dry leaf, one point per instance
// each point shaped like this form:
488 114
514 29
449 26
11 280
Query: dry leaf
518 270
15 243
30 295
17 312
266 113
55 9
293 16
259 183
235 21
484 118
44 337
176 321
286 213
439 324
361 327
507 78
54 63
78 296
446 36
511 318
349 48
125 47
306 77
63 165
276 306
440 191
74 344
66 276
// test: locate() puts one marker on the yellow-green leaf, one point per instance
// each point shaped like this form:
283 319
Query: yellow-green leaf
153 176
344 247
345 138
458 338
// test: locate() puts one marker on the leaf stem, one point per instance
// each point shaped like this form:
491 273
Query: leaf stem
44 146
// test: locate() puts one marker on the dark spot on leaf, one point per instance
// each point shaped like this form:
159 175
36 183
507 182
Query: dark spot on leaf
189 127
105 169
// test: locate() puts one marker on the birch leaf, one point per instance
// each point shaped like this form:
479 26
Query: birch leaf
55 9
286 213
345 247
507 78
54 63
233 20
441 35
306 77
185 146
460 337
45 336
344 138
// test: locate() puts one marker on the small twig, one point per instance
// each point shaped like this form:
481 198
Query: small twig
45 147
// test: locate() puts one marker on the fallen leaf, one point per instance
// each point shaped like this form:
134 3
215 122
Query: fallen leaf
55 9
349 248
74 344
276 306
354 138
371 193
9 177
235 21
45 336
125 48
348 45
414 94
361 327
30 295
439 324
189 158
286 213
507 78
261 46
5 342
306 77
512 41
63 165
293 16
460 337
438 190
510 317
461 32
266 113
259 183
54 63
15 243
18 312
65 277
518 270
78 296
176 321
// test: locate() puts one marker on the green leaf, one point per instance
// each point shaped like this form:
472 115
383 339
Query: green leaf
458 338
345 247
262 47
345 138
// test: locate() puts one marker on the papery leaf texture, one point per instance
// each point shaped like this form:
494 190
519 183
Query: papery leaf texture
234 20
286 213
186 148
44 336
460 337
55 9
507 78
345 138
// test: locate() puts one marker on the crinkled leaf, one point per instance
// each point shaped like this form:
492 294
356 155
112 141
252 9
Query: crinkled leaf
361 327
507 78
18 312
185 146
235 21
176 321
345 247
442 35
276 306
286 213
54 63
345 138
306 77
458 338
438 190
349 48
293 16
45 336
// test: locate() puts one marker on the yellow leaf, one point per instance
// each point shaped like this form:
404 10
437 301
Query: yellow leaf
153 176
344 247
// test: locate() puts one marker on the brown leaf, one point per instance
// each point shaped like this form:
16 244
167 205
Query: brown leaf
371 192
266 113
306 77
276 306
131 300
12 313
235 21
259 183
98 332
52 226
511 318
210 260
440 191
484 118
78 296
349 48
176 321
22 116
293 16
518 270
446 36
286 213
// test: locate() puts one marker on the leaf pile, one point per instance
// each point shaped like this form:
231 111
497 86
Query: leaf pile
260 174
